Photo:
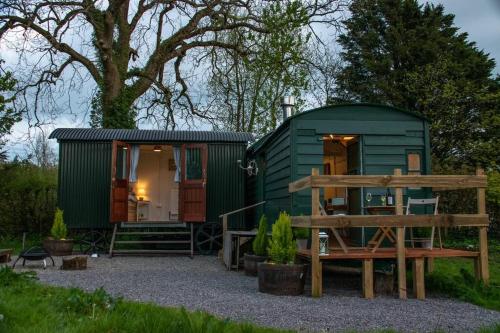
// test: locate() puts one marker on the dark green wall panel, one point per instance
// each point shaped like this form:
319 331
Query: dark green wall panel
84 183
226 183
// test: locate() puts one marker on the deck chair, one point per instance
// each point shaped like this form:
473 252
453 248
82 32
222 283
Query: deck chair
424 202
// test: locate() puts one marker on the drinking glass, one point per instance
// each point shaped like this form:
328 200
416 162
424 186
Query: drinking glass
368 198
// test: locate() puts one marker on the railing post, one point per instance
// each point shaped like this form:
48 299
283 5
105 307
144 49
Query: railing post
316 272
400 241
483 233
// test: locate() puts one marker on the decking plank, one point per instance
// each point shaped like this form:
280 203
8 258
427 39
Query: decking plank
390 253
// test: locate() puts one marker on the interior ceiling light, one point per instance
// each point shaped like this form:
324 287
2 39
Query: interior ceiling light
347 138
157 148
125 148
331 136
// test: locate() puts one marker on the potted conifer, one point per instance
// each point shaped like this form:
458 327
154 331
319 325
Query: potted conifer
301 237
57 244
281 276
259 246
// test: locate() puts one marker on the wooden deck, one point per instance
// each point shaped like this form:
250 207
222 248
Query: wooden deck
385 223
390 253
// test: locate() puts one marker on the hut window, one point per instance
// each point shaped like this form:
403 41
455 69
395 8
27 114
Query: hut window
414 164
193 163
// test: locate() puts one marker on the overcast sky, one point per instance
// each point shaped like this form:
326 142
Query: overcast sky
479 18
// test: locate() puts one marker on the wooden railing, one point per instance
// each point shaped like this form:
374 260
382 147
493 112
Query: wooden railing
398 221
226 215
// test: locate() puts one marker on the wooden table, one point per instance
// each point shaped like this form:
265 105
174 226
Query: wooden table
376 210
381 232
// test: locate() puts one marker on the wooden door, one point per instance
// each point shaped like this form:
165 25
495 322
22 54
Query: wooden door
120 169
193 187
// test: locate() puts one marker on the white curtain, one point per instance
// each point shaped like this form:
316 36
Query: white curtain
177 158
134 161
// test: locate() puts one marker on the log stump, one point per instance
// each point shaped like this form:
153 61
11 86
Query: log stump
74 263
5 255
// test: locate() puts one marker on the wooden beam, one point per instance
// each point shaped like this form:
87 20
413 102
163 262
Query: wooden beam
400 241
483 233
430 265
300 184
418 278
367 276
339 240
316 272
435 181
355 221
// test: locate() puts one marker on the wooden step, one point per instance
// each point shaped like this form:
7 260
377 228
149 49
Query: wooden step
138 233
153 242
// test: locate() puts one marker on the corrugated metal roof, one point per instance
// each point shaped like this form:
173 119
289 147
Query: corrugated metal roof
108 134
327 108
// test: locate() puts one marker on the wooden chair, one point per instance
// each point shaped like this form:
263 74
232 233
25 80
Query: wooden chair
424 202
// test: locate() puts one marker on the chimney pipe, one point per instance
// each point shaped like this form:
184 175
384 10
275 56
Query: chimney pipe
287 104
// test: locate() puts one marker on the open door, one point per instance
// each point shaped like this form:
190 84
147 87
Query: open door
193 187
120 169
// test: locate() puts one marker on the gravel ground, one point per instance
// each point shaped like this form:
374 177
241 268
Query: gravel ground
203 284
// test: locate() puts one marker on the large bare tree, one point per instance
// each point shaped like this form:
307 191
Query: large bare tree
140 54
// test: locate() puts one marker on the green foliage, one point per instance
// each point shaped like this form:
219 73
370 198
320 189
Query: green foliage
84 303
247 86
261 241
29 307
59 230
464 286
8 116
401 53
9 278
301 233
27 198
282 247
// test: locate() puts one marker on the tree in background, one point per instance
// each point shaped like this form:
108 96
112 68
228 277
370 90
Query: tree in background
41 152
400 53
141 55
8 116
245 91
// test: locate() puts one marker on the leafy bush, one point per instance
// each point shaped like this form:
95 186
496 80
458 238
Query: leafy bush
282 246
59 230
301 233
9 278
84 303
28 196
261 241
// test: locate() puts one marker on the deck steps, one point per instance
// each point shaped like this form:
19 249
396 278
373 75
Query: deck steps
151 239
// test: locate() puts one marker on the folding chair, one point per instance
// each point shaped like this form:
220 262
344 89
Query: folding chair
423 202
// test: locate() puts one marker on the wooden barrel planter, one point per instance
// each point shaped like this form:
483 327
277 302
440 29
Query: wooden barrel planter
251 263
279 279
58 247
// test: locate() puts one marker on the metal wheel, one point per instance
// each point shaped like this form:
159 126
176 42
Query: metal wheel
209 238
94 242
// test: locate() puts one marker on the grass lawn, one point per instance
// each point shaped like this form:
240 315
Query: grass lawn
455 277
28 306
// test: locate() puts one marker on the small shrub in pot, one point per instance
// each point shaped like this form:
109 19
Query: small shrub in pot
301 237
57 244
259 247
281 276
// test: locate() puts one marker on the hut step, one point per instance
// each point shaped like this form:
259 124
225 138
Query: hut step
181 241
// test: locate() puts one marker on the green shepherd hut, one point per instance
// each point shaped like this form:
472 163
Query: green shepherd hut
123 179
350 139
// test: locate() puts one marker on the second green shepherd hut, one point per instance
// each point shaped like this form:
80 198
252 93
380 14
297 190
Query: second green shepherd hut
347 139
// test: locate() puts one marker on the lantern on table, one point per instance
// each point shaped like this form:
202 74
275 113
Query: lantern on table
323 243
